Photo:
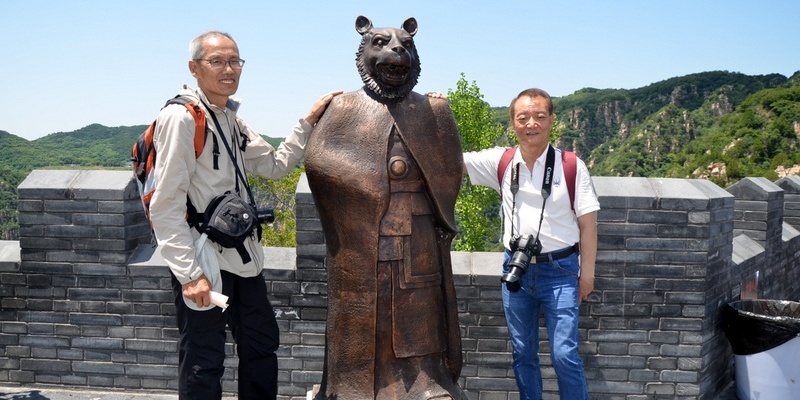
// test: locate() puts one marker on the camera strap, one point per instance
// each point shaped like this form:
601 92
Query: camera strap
239 174
547 185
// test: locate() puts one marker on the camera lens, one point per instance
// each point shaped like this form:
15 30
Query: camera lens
265 215
511 279
512 286
523 249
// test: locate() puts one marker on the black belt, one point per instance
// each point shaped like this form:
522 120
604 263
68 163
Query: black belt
558 254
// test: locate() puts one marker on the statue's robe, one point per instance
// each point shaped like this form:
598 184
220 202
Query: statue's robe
347 169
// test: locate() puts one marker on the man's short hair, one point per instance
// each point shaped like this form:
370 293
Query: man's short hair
532 92
196 45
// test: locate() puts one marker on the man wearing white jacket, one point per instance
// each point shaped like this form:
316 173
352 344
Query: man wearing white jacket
180 175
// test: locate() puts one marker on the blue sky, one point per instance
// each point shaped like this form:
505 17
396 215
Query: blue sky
68 64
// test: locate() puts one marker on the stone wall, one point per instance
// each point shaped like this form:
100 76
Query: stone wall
86 301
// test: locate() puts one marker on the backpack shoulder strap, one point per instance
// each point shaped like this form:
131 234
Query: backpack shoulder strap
200 133
570 165
505 159
568 161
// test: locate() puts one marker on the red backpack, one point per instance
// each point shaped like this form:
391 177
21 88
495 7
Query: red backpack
568 161
143 154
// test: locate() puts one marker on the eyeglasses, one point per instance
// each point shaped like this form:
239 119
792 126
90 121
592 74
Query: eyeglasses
217 63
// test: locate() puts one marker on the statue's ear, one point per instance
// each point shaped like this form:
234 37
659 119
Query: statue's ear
363 25
410 26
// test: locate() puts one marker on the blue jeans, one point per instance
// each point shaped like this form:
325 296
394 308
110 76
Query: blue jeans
551 287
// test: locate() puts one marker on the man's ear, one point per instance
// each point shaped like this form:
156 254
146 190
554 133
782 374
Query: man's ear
193 67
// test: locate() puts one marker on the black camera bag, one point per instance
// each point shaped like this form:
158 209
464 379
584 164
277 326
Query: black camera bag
229 220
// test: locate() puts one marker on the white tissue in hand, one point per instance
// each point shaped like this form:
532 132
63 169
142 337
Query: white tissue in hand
219 300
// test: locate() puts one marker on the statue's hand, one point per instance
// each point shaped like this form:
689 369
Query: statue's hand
319 107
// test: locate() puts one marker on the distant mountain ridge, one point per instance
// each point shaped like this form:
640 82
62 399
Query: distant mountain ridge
684 127
94 145
717 125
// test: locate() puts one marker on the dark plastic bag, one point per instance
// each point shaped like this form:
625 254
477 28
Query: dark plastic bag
754 326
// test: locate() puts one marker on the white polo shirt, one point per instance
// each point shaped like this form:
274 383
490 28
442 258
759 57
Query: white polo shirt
560 224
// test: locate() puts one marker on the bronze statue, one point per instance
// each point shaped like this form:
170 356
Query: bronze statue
384 165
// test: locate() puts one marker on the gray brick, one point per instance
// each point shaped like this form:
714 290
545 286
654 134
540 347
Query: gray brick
640 375
98 343
680 350
150 320
45 243
30 364
658 217
690 364
664 337
683 389
307 351
44 219
505 384
150 371
618 336
657 244
308 377
97 219
679 376
489 358
682 324
660 389
150 345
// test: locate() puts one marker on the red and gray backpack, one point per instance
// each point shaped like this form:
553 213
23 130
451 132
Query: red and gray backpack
143 154
568 161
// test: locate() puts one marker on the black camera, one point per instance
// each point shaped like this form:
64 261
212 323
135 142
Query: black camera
265 215
523 248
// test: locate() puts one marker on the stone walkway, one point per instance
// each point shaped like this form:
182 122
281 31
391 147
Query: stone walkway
60 393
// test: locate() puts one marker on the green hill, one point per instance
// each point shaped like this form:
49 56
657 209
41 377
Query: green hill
715 125
93 146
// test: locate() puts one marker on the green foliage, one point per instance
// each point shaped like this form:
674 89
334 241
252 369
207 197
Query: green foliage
473 115
9 180
477 206
596 122
684 127
754 140
280 196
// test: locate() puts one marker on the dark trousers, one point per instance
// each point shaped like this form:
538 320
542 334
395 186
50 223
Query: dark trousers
202 342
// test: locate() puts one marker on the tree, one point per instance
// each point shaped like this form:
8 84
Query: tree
9 223
280 196
477 207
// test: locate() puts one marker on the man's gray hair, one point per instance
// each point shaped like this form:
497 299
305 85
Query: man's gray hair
196 45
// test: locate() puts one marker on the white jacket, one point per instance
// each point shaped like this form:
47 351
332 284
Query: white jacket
179 173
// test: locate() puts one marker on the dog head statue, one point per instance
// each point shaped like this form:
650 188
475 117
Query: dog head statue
387 58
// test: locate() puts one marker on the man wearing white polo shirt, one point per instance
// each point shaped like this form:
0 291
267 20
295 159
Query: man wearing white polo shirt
544 231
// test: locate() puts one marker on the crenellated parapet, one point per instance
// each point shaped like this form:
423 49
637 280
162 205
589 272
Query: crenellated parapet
85 299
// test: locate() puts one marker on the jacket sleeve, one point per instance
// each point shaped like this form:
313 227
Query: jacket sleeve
175 164
264 160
